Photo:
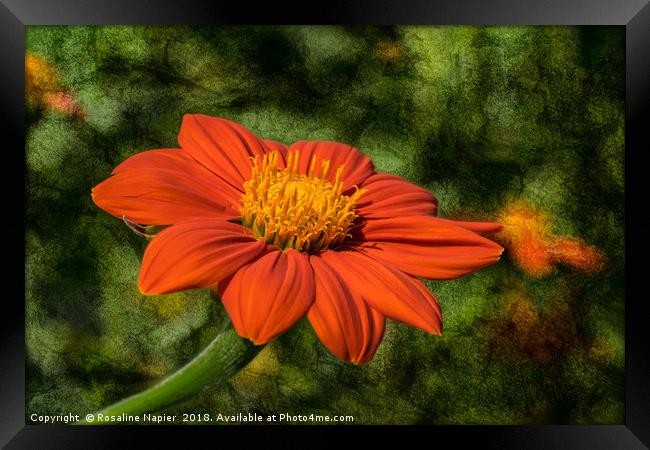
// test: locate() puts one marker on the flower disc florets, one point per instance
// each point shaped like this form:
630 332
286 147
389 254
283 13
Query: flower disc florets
289 209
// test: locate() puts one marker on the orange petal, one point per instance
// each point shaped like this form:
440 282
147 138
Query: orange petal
476 227
179 160
162 187
267 297
392 196
347 326
196 254
223 147
274 146
427 247
357 166
386 289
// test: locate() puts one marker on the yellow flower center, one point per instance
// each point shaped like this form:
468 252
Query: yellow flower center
288 209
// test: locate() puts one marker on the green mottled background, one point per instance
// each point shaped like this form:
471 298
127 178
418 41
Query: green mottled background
476 114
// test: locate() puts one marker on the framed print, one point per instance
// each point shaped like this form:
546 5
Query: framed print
242 221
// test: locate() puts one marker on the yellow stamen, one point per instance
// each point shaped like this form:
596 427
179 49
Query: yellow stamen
288 209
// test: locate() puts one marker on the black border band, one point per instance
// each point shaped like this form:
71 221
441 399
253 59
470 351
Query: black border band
634 14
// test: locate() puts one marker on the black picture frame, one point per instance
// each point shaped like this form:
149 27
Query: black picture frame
634 15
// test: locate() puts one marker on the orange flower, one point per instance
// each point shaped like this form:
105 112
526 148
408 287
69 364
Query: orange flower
536 249
281 232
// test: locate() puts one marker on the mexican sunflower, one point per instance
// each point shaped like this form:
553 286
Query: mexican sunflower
282 231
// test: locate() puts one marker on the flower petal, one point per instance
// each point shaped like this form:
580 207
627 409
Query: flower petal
162 187
274 146
347 326
392 196
391 292
476 227
179 160
357 166
426 247
222 146
196 254
162 158
267 297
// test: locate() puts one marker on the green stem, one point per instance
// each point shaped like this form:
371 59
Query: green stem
224 356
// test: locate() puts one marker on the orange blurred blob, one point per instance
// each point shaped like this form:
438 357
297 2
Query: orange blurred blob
536 249
390 51
43 88
64 103
533 336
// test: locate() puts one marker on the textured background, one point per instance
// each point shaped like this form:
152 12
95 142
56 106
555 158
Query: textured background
481 116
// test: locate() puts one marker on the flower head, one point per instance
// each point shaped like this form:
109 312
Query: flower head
290 209
287 231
